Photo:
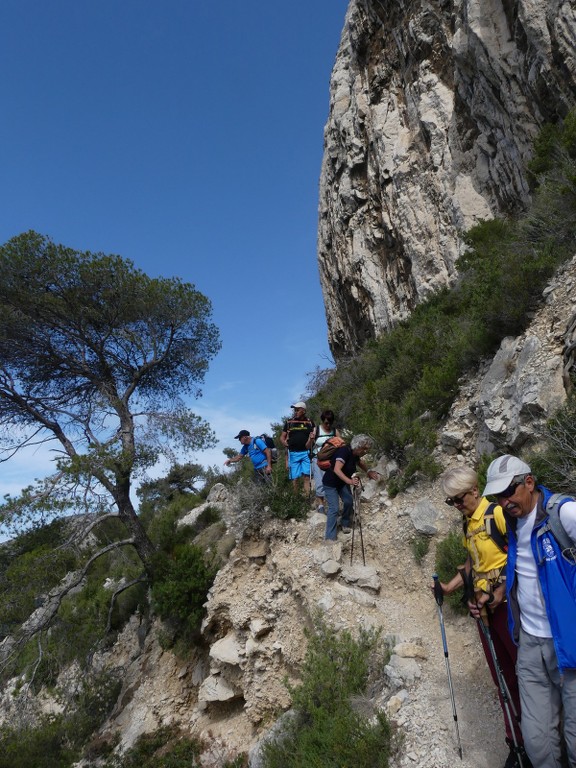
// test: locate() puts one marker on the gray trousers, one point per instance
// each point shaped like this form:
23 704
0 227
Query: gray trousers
545 697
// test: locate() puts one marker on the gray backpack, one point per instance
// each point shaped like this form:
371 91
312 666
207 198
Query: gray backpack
554 525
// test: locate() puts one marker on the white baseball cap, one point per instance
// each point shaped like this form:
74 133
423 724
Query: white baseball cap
501 473
299 404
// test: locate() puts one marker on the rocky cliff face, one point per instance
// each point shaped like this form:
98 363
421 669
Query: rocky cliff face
434 105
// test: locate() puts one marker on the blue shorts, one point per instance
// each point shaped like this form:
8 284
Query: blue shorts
299 464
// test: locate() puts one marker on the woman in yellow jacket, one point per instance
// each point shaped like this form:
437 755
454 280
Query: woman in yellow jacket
485 571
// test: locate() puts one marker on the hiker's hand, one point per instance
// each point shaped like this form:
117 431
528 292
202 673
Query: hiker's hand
372 474
474 609
480 604
355 480
497 597
268 470
227 463
433 587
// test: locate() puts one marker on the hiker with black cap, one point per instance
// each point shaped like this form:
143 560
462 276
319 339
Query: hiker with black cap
259 453
483 578
541 592
297 438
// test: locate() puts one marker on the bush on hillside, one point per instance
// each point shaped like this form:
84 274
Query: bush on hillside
326 729
168 748
555 462
56 740
180 587
450 555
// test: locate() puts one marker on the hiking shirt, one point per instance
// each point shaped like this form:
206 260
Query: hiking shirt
321 437
298 433
350 462
488 560
256 451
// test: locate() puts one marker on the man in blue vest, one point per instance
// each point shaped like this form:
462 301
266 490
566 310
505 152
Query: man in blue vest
541 591
258 452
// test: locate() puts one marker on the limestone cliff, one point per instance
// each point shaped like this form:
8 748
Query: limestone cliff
434 105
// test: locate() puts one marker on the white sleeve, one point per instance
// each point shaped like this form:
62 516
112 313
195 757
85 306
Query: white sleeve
568 518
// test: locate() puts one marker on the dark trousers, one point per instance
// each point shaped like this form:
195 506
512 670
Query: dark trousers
506 653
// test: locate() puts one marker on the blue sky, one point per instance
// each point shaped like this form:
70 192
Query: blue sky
187 137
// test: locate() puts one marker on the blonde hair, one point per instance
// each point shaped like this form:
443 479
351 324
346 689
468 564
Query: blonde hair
458 480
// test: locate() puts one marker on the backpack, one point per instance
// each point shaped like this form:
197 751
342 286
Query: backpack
269 444
325 454
490 527
554 525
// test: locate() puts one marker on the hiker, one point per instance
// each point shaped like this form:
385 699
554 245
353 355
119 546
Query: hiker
259 453
541 591
483 577
322 432
296 438
338 479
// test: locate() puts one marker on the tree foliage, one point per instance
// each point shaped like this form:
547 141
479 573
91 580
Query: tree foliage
96 360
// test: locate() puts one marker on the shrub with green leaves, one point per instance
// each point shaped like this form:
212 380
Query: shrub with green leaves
181 585
326 729
56 741
554 464
450 555
420 547
167 748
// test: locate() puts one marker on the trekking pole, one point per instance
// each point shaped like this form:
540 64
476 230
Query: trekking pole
356 491
439 597
509 708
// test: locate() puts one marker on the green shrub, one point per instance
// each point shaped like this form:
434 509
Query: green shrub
450 555
57 740
180 586
163 748
554 464
420 547
166 748
29 575
326 729
283 502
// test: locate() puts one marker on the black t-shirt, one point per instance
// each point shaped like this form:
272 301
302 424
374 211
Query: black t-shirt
330 478
298 433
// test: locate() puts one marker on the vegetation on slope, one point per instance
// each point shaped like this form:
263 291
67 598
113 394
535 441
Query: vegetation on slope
401 386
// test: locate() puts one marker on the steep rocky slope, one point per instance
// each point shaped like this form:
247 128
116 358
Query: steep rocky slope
277 579
433 110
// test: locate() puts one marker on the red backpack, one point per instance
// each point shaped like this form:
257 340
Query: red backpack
327 451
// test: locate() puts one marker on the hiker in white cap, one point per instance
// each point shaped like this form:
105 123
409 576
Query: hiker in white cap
541 591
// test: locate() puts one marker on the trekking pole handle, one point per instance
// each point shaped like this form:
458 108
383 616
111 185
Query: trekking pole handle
438 593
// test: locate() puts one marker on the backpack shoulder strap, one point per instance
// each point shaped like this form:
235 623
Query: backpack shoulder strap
497 537
554 524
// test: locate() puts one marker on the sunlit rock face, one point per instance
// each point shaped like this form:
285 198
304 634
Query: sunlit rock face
434 106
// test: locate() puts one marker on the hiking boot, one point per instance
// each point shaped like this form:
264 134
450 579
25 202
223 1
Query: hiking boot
512 761
320 509
345 529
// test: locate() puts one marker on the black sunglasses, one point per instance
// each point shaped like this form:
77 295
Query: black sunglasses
453 500
507 492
